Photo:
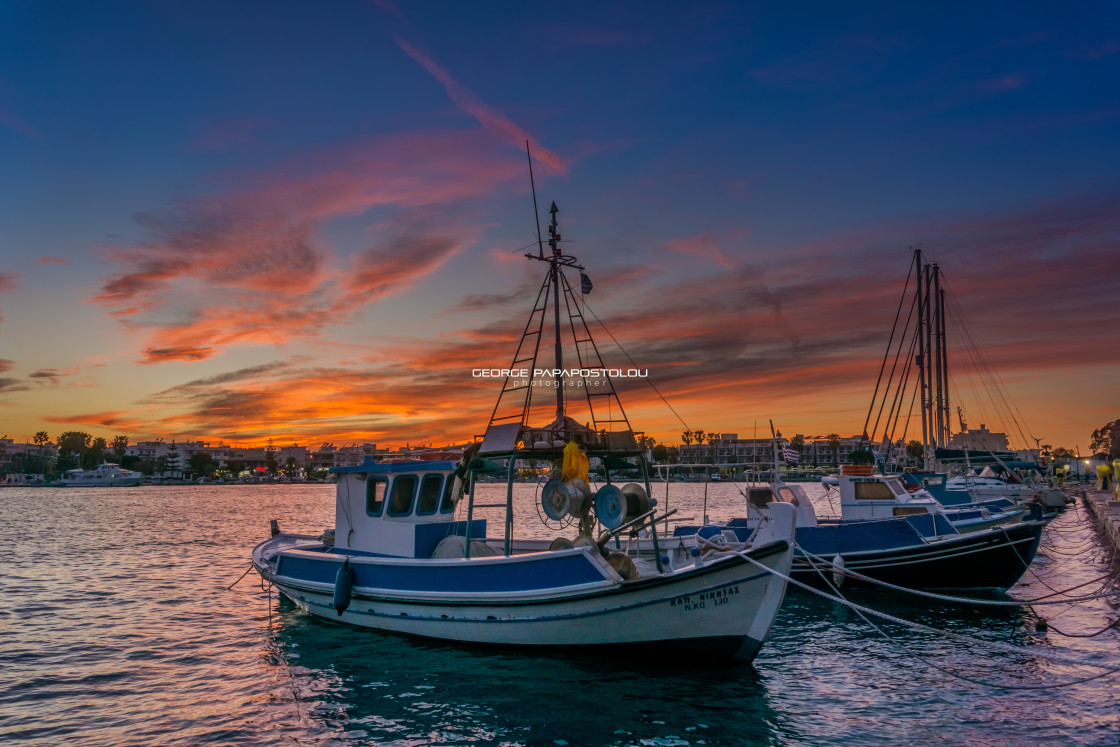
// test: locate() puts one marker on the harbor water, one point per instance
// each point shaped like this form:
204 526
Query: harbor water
116 628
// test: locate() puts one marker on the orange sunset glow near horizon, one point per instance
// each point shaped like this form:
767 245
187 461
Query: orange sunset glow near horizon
223 227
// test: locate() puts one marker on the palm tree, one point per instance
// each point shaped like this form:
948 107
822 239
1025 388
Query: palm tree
686 438
834 447
713 439
40 439
120 445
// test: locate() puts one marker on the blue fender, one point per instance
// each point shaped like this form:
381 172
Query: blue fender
343 587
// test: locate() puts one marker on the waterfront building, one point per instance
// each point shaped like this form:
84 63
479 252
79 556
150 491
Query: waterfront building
12 454
979 439
759 452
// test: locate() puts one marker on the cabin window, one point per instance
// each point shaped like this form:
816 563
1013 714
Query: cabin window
429 494
449 499
896 486
788 496
878 491
375 495
404 489
759 497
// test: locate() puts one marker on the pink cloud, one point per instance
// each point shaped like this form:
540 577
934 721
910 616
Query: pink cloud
48 260
389 7
703 244
488 116
245 267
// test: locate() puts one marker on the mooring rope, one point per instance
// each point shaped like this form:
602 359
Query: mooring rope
243 575
1039 653
941 668
958 600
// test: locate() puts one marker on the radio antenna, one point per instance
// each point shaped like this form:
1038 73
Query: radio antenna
536 213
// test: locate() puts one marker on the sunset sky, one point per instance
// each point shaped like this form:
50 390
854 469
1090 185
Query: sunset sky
235 221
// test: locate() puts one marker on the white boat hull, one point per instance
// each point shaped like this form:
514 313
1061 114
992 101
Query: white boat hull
726 605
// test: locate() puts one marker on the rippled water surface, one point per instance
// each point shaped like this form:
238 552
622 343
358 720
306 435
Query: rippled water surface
116 628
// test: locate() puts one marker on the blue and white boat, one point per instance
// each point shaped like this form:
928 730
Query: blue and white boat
904 537
987 491
407 555
399 563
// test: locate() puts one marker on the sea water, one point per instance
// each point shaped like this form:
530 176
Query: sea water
116 628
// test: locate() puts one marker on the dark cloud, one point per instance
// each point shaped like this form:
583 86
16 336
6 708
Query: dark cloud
12 385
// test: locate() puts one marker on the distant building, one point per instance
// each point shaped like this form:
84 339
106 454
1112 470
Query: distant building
980 439
730 449
11 453
248 458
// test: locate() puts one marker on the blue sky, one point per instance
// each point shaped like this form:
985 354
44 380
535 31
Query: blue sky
290 211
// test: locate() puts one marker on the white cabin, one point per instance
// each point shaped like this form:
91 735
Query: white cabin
401 509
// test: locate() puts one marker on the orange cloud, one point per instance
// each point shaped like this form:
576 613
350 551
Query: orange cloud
768 339
246 267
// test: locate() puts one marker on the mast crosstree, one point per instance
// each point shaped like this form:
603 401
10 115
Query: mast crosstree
515 400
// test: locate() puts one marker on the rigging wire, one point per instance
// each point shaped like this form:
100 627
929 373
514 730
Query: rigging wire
595 316
886 354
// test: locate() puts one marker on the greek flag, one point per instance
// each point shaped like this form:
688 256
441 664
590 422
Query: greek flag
585 285
792 455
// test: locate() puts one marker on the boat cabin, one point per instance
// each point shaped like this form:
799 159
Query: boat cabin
758 497
399 509
881 497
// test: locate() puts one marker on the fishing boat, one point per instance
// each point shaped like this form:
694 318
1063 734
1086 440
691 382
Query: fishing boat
979 491
406 553
890 532
910 542
106 475
925 344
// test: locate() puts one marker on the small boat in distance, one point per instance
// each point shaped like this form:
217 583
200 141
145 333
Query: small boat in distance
106 475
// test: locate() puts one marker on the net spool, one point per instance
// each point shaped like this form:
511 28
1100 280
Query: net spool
637 501
561 543
555 499
580 493
610 506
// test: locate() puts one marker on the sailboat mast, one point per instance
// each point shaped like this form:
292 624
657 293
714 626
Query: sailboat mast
944 362
938 337
553 238
921 354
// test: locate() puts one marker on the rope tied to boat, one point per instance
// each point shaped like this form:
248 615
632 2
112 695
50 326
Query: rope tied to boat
954 599
864 611
243 575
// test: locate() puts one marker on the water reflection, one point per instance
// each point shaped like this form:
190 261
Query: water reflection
370 687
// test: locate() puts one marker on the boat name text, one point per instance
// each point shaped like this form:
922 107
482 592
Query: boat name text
717 597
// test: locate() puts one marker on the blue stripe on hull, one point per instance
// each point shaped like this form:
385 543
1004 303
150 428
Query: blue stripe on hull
989 560
528 574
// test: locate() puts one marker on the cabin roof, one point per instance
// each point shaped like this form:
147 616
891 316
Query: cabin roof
369 466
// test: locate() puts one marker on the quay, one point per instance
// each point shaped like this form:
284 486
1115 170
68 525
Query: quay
1104 509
